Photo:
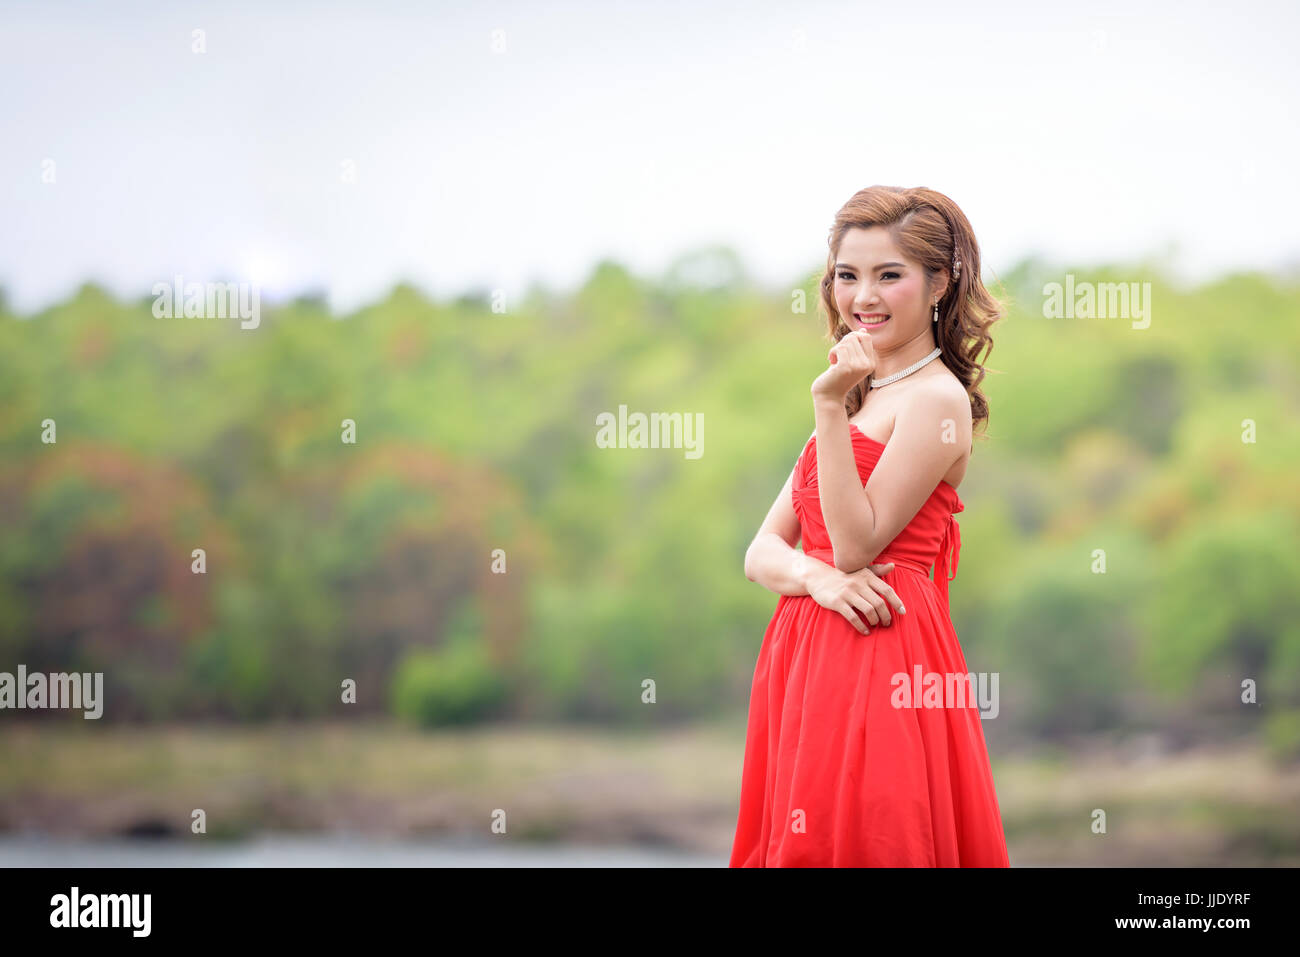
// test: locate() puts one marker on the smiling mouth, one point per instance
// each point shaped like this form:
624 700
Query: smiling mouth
870 320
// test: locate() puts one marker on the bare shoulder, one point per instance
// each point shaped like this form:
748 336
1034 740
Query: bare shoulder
941 399
946 383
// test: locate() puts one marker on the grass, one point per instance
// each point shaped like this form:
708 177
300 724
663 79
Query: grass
678 788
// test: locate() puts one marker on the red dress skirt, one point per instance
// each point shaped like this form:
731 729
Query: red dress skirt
844 767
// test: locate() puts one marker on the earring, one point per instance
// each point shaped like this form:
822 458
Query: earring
936 311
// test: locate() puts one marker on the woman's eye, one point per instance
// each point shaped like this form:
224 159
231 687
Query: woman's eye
849 276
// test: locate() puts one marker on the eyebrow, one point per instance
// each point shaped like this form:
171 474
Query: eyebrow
881 266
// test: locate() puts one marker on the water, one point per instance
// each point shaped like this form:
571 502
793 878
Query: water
275 850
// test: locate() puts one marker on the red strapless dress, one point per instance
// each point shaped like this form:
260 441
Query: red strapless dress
835 774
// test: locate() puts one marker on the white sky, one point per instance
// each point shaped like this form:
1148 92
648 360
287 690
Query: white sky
635 131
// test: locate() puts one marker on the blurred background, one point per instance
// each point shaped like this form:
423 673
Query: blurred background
473 229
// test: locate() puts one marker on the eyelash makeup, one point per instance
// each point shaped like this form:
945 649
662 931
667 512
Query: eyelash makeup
849 275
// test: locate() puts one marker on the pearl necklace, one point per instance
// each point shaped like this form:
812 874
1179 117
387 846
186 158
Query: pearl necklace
877 383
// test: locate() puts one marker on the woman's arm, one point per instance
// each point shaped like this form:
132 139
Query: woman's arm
772 560
928 434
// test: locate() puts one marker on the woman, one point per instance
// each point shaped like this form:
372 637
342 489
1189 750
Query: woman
844 766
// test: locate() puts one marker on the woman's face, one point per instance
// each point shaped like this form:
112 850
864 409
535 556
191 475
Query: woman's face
878 290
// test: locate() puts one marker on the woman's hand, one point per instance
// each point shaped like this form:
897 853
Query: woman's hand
851 592
851 360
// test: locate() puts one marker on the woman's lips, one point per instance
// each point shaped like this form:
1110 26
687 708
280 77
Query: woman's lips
872 322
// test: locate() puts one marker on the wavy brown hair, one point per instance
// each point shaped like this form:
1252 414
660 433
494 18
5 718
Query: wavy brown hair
928 228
